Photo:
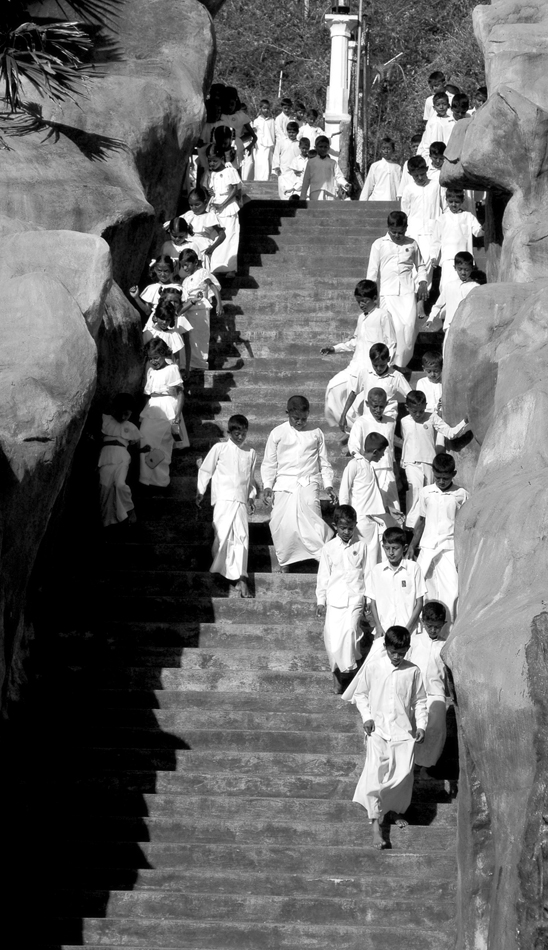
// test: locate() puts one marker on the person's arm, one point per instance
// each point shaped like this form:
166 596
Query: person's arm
306 182
221 235
205 473
417 535
216 293
435 243
269 469
347 480
143 306
389 334
231 193
403 387
349 402
249 132
448 432
379 632
373 266
406 201
147 335
415 615
321 584
367 185
326 469
179 406
419 706
422 289
185 355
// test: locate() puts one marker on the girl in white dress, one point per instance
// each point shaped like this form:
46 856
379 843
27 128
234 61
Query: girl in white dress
165 272
162 415
206 227
173 328
117 433
225 188
199 289
180 237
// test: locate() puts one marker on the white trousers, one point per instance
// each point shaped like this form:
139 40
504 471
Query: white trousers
441 578
336 395
263 162
428 752
403 308
386 783
341 635
418 475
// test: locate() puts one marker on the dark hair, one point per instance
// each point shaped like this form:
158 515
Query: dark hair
304 140
222 132
169 291
216 90
366 288
456 191
121 403
432 357
212 108
230 92
161 259
377 391
388 141
237 422
438 96
434 610
214 150
344 511
415 398
463 257
436 76
479 276
379 351
286 101
437 148
200 194
373 441
454 90
293 126
265 102
397 218
180 225
397 637
322 138
157 347
301 106
444 464
395 536
416 138
462 100
416 162
298 402
314 113
188 255
165 310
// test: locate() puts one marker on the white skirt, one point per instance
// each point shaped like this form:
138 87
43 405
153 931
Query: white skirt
225 257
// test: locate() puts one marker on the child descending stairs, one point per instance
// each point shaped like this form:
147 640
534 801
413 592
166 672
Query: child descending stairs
203 795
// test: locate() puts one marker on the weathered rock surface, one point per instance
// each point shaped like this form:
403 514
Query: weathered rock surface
497 359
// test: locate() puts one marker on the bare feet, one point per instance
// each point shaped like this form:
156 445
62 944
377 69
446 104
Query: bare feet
378 841
243 587
282 569
399 820
337 685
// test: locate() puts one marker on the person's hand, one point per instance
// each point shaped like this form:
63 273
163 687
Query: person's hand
145 448
208 252
410 552
326 350
420 735
177 419
342 423
369 727
422 292
320 611
332 496
133 291
199 499
268 496
379 632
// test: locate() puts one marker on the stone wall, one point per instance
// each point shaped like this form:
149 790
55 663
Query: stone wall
112 171
497 360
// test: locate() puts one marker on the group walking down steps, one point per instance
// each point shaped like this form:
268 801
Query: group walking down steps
201 768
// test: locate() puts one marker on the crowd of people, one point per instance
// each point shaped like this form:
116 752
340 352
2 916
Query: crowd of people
386 552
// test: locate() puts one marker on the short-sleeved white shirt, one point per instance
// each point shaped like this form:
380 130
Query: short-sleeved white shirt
439 509
395 592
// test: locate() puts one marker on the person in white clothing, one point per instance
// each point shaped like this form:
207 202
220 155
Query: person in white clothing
168 324
423 435
311 129
427 643
383 177
225 188
199 289
405 179
453 293
323 179
231 469
453 231
340 593
439 126
435 533
360 489
165 272
296 168
294 466
265 131
421 202
380 376
374 419
117 433
431 385
373 326
283 118
162 416
285 153
395 587
396 264
391 699
436 83
206 229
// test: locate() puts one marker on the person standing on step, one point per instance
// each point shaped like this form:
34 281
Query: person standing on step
323 179
383 177
266 139
118 433
294 466
392 702
425 651
231 469
225 188
162 416
360 489
340 595
285 153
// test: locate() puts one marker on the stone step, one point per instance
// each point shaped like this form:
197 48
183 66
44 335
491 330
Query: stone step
236 609
282 680
197 584
228 739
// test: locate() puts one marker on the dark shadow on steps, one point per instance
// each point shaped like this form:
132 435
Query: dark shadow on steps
85 748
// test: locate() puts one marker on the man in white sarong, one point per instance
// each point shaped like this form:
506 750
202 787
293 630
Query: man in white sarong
340 594
231 469
392 702
295 464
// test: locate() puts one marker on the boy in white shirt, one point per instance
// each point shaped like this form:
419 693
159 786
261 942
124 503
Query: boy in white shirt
383 177
231 469
374 325
374 419
360 489
323 177
285 153
396 264
380 376
405 179
435 533
265 130
431 385
425 652
423 435
395 587
439 126
311 129
453 293
297 167
436 83
281 120
294 466
392 702
340 594
421 202
453 232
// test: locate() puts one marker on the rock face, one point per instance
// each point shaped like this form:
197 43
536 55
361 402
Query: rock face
498 361
112 170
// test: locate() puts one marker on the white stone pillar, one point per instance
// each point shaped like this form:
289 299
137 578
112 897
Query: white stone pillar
341 26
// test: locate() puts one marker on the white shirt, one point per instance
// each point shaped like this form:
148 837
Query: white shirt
422 205
447 304
231 469
426 654
393 697
373 327
393 382
359 488
394 266
439 509
219 184
294 457
151 293
361 429
395 592
421 439
236 121
280 125
285 153
438 129
266 131
432 391
197 283
381 184
310 132
452 233
341 572
322 175
171 337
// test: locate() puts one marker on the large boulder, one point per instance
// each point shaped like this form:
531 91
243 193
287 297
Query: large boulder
497 365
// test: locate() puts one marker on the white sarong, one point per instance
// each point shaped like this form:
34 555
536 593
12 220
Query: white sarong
231 544
386 783
428 752
341 635
297 527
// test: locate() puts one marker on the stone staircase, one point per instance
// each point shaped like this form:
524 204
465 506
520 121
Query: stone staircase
198 771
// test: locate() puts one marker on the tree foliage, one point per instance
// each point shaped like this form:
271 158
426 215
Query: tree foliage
256 40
